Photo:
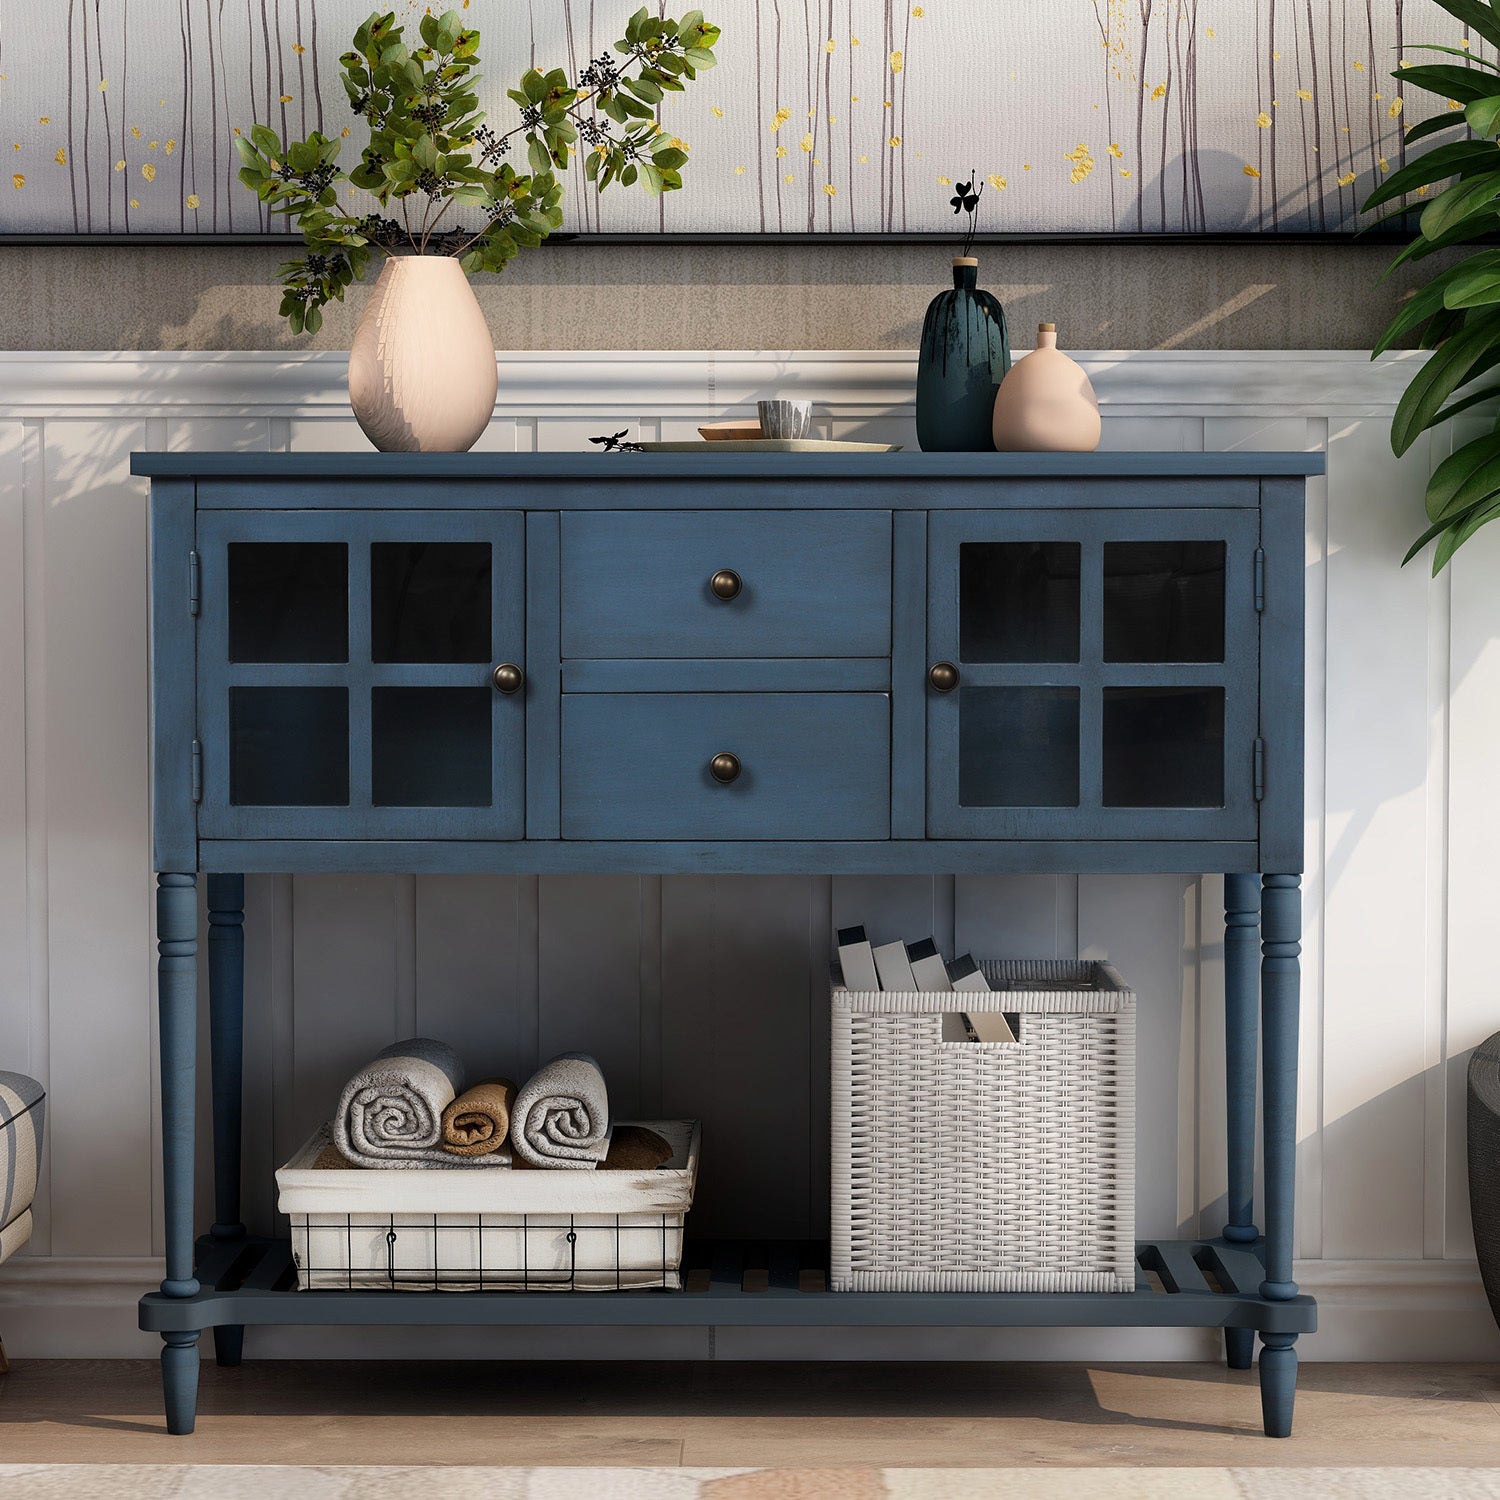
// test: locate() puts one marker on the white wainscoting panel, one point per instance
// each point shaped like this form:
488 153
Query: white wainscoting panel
707 996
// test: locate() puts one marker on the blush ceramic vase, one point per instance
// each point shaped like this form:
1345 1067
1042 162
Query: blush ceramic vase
964 356
1046 404
422 375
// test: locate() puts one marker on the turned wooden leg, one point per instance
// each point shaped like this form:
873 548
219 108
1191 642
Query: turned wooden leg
1241 1003
177 1007
1280 988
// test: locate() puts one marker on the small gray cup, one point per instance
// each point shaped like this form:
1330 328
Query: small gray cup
785 419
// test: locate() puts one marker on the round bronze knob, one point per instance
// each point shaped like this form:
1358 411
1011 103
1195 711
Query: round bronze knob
724 767
943 675
725 584
508 678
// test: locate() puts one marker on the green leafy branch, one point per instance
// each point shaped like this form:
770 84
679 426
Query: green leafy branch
1458 311
430 149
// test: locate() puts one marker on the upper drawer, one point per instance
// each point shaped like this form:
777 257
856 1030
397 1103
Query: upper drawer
639 583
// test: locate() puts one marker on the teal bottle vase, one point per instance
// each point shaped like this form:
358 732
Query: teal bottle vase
965 354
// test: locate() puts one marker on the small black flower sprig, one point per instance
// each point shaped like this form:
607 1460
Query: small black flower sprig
965 199
615 443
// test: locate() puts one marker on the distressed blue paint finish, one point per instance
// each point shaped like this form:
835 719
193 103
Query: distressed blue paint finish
1283 536
502 816
1241 1005
637 586
636 765
815 676
173 669
364 469
1280 984
726 857
543 664
1090 675
909 677
177 1010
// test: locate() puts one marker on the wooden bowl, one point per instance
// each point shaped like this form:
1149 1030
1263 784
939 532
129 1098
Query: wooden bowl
730 432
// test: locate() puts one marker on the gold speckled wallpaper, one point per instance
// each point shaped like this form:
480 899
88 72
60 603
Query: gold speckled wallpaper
1083 116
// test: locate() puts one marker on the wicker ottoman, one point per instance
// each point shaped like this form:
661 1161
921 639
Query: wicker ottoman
22 1106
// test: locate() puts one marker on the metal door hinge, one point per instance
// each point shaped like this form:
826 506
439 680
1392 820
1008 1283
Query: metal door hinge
1259 760
195 583
197 771
1260 579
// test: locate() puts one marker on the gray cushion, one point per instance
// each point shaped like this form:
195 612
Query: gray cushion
22 1107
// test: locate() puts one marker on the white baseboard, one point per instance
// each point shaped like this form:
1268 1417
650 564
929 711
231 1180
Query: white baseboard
1420 1310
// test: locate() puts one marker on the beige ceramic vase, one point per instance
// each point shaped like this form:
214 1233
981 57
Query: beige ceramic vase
1045 404
422 372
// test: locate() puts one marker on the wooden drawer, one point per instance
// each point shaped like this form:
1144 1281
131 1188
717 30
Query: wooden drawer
637 584
811 766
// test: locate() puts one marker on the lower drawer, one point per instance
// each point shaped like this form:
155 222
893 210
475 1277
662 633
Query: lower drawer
804 766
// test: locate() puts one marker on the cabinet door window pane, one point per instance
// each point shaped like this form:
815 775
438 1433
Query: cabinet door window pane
288 601
430 601
289 746
1018 747
1164 747
1164 601
431 747
1018 601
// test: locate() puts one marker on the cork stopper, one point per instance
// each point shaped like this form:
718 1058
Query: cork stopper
1046 327
965 260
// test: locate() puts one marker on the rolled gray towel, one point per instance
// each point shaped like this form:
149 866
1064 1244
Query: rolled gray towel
561 1115
391 1112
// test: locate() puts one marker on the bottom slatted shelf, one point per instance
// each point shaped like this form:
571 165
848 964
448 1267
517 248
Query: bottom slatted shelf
1179 1284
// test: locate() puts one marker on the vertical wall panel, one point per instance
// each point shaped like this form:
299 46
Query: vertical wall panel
589 976
744 966
15 970
344 972
1016 916
1375 907
1473 1010
467 954
98 860
1139 923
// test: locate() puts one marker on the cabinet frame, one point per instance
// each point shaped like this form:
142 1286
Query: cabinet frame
1239 1280
361 675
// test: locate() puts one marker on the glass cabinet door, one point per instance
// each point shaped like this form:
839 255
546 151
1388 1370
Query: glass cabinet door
347 683
1107 674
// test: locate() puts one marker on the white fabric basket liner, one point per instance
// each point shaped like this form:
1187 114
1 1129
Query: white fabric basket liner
489 1228
986 1166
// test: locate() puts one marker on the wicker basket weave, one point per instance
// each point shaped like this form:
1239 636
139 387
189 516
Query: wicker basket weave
985 1166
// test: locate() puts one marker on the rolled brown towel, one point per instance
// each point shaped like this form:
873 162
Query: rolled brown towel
633 1148
478 1121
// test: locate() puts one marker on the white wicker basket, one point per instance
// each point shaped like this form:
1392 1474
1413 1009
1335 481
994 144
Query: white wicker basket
489 1229
986 1166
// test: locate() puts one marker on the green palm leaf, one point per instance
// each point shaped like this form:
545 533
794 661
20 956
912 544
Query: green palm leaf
1477 16
1442 161
1460 532
1472 350
1449 80
1456 204
1464 479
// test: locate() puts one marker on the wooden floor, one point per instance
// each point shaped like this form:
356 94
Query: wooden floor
729 1415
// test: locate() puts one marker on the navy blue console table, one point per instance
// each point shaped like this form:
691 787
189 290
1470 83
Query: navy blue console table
907 663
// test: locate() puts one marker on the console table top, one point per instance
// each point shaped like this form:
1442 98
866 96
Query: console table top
903 465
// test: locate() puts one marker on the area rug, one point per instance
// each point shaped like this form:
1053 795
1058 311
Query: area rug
284 1482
